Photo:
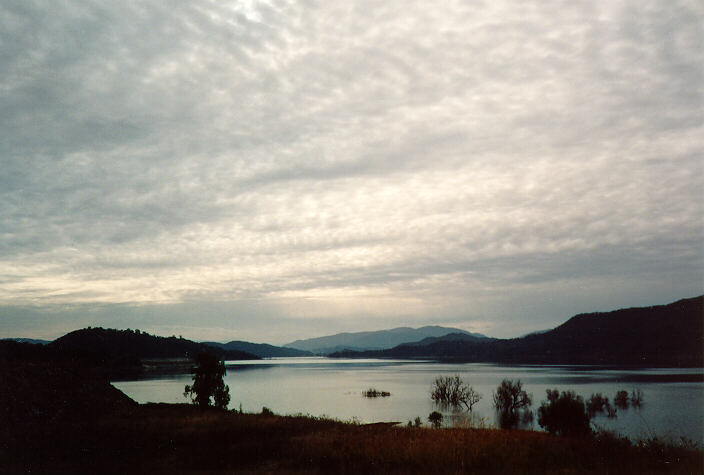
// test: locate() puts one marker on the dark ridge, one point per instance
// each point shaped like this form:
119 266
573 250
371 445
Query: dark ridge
448 338
43 385
112 344
262 350
664 335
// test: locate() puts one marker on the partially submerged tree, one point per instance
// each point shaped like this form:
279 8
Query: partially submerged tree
621 399
596 403
599 403
636 398
372 392
564 414
452 391
208 382
512 404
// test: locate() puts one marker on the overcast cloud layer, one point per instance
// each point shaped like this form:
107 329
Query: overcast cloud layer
276 170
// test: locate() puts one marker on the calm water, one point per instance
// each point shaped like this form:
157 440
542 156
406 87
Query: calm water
673 398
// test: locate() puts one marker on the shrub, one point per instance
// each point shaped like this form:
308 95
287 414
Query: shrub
371 392
597 403
621 399
564 414
435 418
415 423
636 397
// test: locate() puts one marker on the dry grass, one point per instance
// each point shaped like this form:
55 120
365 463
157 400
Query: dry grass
183 439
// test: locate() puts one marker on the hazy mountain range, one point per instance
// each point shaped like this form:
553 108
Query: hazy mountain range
262 350
664 335
33 341
373 340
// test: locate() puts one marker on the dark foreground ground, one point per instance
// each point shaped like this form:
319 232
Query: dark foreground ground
182 439
64 417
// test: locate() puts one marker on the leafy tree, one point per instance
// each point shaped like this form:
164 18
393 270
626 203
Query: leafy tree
452 391
208 382
435 418
512 404
564 414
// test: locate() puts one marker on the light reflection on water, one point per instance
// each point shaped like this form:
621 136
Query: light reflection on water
673 397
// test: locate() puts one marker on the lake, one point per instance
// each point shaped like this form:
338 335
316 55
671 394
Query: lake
673 398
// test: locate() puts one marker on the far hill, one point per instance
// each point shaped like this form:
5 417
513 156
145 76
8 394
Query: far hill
136 344
373 340
33 341
664 335
261 350
465 337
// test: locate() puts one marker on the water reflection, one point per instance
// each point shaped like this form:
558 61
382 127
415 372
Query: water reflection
673 405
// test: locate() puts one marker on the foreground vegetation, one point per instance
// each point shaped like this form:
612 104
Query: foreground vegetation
60 415
183 438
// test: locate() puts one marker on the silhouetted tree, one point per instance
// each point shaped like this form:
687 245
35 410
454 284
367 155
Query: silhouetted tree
435 418
415 423
512 404
452 391
208 382
564 414
636 398
597 403
621 399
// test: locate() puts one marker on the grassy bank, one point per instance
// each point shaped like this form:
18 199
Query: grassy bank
156 438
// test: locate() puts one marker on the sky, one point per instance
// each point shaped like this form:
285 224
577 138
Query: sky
275 170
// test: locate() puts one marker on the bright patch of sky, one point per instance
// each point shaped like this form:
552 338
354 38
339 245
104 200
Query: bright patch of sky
278 170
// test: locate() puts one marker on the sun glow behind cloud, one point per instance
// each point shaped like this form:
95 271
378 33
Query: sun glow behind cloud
370 160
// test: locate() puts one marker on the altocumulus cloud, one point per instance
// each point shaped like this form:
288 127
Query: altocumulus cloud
280 169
